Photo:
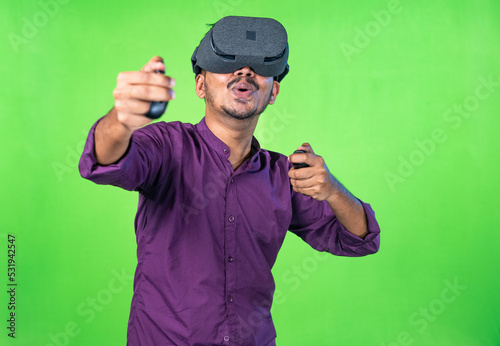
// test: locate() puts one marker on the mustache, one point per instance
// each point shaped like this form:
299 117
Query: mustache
247 79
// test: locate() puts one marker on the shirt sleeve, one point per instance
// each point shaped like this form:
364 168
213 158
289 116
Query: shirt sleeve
315 222
142 166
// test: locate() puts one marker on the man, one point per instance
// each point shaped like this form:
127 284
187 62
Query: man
214 207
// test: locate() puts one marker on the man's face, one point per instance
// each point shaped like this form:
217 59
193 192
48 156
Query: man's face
242 94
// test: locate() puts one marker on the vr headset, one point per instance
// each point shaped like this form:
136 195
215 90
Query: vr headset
235 42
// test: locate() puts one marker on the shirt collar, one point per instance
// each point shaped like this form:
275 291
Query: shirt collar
253 164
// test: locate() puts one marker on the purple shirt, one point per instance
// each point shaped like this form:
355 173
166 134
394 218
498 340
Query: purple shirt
208 236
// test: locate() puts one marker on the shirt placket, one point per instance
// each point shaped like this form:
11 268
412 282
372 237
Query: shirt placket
230 259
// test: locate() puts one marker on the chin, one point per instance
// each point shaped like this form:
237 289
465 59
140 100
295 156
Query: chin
240 114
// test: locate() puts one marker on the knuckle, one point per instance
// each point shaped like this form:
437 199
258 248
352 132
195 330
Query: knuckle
119 104
122 118
121 77
117 93
122 106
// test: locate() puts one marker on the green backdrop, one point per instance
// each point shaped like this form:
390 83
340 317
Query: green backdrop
401 98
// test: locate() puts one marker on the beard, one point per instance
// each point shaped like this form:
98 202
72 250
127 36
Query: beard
240 113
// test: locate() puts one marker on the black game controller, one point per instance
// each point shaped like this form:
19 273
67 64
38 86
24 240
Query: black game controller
300 164
157 108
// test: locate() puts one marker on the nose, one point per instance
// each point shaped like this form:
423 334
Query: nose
245 71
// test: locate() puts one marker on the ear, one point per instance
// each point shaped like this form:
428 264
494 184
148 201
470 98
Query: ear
200 85
276 90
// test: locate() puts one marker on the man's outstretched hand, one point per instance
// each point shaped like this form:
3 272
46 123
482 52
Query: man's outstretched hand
133 95
136 89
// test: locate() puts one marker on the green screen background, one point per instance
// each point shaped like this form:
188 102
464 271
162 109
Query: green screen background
401 98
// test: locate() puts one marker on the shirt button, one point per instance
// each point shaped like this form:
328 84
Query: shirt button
226 150
231 218
230 259
226 338
230 299
232 180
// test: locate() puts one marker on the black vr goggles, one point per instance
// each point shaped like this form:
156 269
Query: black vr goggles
235 42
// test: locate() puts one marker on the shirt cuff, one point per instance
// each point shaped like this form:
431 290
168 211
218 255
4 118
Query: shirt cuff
112 174
370 244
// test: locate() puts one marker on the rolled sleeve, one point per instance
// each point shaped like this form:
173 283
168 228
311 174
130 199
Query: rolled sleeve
138 169
317 225
353 245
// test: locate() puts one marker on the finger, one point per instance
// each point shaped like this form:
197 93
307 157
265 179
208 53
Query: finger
302 191
144 93
307 147
301 158
308 191
140 77
301 173
151 93
132 106
156 63
303 184
297 158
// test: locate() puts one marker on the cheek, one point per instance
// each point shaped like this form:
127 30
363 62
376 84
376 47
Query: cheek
218 89
267 94
212 89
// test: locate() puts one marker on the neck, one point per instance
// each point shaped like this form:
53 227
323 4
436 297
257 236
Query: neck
236 134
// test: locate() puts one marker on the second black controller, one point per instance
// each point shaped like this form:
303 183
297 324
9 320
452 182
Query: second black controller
299 164
157 108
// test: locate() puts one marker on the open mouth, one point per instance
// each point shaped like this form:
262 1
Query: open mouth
242 90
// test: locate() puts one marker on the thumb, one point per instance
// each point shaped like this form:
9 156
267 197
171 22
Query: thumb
307 147
156 63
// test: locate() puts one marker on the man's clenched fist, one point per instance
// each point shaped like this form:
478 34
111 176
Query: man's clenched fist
136 89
